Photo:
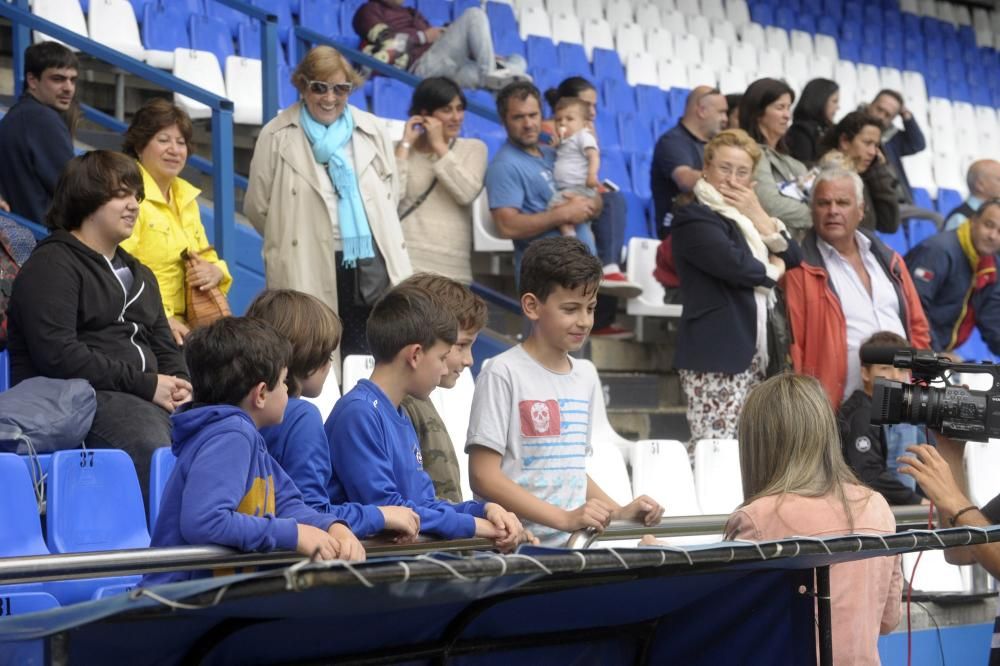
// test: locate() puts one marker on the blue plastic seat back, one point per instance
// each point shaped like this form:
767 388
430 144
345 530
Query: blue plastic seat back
619 95
248 42
391 99
212 34
317 16
437 12
607 64
761 13
652 101
606 126
541 52
282 10
287 94
614 168
458 7
107 591
897 241
828 26
784 17
38 468
348 8
230 16
948 200
922 198
24 653
636 218
164 28
642 163
94 502
573 60
974 349
160 469
4 371
920 230
20 528
636 131
502 21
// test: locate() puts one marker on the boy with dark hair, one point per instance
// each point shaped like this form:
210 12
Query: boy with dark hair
373 446
35 135
871 450
298 443
533 410
436 446
226 489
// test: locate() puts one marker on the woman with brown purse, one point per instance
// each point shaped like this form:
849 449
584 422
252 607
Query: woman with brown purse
169 223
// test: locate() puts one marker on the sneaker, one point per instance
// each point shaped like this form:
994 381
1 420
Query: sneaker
612 333
616 284
499 78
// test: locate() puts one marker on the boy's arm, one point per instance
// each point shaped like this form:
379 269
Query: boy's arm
643 508
288 503
215 487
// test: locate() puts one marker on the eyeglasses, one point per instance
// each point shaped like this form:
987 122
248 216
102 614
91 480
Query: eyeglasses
727 171
322 88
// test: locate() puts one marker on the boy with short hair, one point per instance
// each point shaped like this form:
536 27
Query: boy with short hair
226 489
871 450
533 408
373 446
298 443
436 447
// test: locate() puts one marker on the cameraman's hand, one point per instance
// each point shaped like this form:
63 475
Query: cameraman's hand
934 475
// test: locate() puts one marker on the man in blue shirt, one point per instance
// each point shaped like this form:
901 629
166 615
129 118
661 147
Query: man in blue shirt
679 153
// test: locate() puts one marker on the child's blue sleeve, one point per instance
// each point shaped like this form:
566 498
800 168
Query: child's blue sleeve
215 487
364 468
307 461
288 503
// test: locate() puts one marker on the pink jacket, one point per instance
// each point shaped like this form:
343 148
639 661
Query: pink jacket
865 593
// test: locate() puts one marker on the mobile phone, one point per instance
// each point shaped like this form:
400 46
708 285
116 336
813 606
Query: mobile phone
610 185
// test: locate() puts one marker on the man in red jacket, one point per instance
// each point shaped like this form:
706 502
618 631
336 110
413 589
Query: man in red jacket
462 50
849 286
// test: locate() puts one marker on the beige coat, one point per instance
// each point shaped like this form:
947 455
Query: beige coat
285 204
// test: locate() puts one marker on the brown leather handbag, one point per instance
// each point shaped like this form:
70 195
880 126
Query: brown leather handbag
202 307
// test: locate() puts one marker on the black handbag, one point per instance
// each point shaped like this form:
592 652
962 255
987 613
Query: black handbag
371 279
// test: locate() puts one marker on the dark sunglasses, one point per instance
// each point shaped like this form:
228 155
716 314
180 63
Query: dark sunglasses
322 88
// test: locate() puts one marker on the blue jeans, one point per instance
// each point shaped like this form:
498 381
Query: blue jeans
609 228
897 438
464 53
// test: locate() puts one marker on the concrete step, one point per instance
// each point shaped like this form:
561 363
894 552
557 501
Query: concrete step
661 423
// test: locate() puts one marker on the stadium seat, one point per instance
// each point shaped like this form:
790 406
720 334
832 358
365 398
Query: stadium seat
386 96
934 574
160 468
566 28
762 13
671 75
597 35
21 529
108 591
613 167
248 41
797 70
454 406
725 31
744 55
662 470
982 459
687 49
639 268
717 475
801 43
715 54
356 368
771 63
437 12
733 78
66 13
699 28
897 240
659 43
94 502
163 31
641 68
921 230
200 68
713 10
287 94
651 101
737 12
629 39
211 34
554 7
619 12
282 10
573 60
230 16
674 21
316 15
784 18
534 21
485 237
112 23
689 7
635 132
948 200
702 75
777 38
590 9
541 52
647 15
26 653
606 458
641 164
606 64
38 470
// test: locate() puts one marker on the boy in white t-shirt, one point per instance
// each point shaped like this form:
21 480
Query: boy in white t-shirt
532 413
578 157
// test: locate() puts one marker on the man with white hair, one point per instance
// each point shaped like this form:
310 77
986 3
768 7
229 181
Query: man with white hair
849 286
983 179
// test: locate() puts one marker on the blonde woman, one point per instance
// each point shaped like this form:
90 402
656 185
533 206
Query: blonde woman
796 483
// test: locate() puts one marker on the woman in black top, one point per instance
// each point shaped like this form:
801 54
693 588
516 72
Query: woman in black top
812 117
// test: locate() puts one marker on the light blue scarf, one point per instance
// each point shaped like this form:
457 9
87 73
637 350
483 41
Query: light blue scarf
328 143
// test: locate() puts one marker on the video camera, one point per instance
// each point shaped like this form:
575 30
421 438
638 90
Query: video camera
954 411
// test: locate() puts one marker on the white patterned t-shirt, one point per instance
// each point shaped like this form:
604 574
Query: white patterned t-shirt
540 422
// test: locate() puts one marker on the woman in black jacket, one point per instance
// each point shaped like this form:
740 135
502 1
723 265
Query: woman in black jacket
813 116
854 144
730 254
84 308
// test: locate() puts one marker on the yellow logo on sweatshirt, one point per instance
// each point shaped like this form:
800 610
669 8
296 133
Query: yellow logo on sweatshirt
259 500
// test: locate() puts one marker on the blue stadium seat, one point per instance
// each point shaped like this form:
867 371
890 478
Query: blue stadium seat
22 603
834 9
347 10
573 60
212 34
827 25
636 220
358 99
920 230
613 168
280 8
872 14
784 17
94 502
652 101
248 42
458 7
607 64
502 19
391 99
871 53
38 466
437 12
948 200
897 241
849 49
164 29
4 371
805 22
20 529
190 6
107 591
232 17
676 99
606 127
922 199
974 349
762 13
316 15
162 465
636 133
541 53
618 95
641 163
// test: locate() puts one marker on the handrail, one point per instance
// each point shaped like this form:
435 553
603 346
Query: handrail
23 22
495 297
671 526
70 566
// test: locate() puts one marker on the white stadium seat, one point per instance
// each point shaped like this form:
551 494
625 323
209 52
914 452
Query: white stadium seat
648 15
597 35
920 171
687 48
822 67
945 13
566 28
641 70
982 460
801 42
890 77
738 12
243 86
662 470
928 8
715 54
777 38
717 475
660 43
672 74
698 26
485 237
689 7
909 6
606 458
619 12
825 45
673 21
521 5
640 266
771 64
733 78
200 68
555 7
328 397
454 406
753 34
534 21
745 56
724 30
846 76
702 75
798 70
66 13
112 23
962 15
356 368
629 39
713 10
589 9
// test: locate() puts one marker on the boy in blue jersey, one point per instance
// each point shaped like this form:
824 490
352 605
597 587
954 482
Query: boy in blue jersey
226 489
298 443
532 413
373 446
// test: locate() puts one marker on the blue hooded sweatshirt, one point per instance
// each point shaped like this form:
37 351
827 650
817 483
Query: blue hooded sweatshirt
226 490
299 445
376 460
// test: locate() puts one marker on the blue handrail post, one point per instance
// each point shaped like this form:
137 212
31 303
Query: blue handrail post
21 39
269 66
223 190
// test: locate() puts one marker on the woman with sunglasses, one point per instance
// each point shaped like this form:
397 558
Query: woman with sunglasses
323 193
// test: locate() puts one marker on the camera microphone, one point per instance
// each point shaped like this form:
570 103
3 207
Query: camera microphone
881 355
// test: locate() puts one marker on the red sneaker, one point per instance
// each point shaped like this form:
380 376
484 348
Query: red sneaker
612 333
616 284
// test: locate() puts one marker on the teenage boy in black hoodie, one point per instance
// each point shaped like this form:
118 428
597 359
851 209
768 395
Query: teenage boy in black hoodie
82 307
871 450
